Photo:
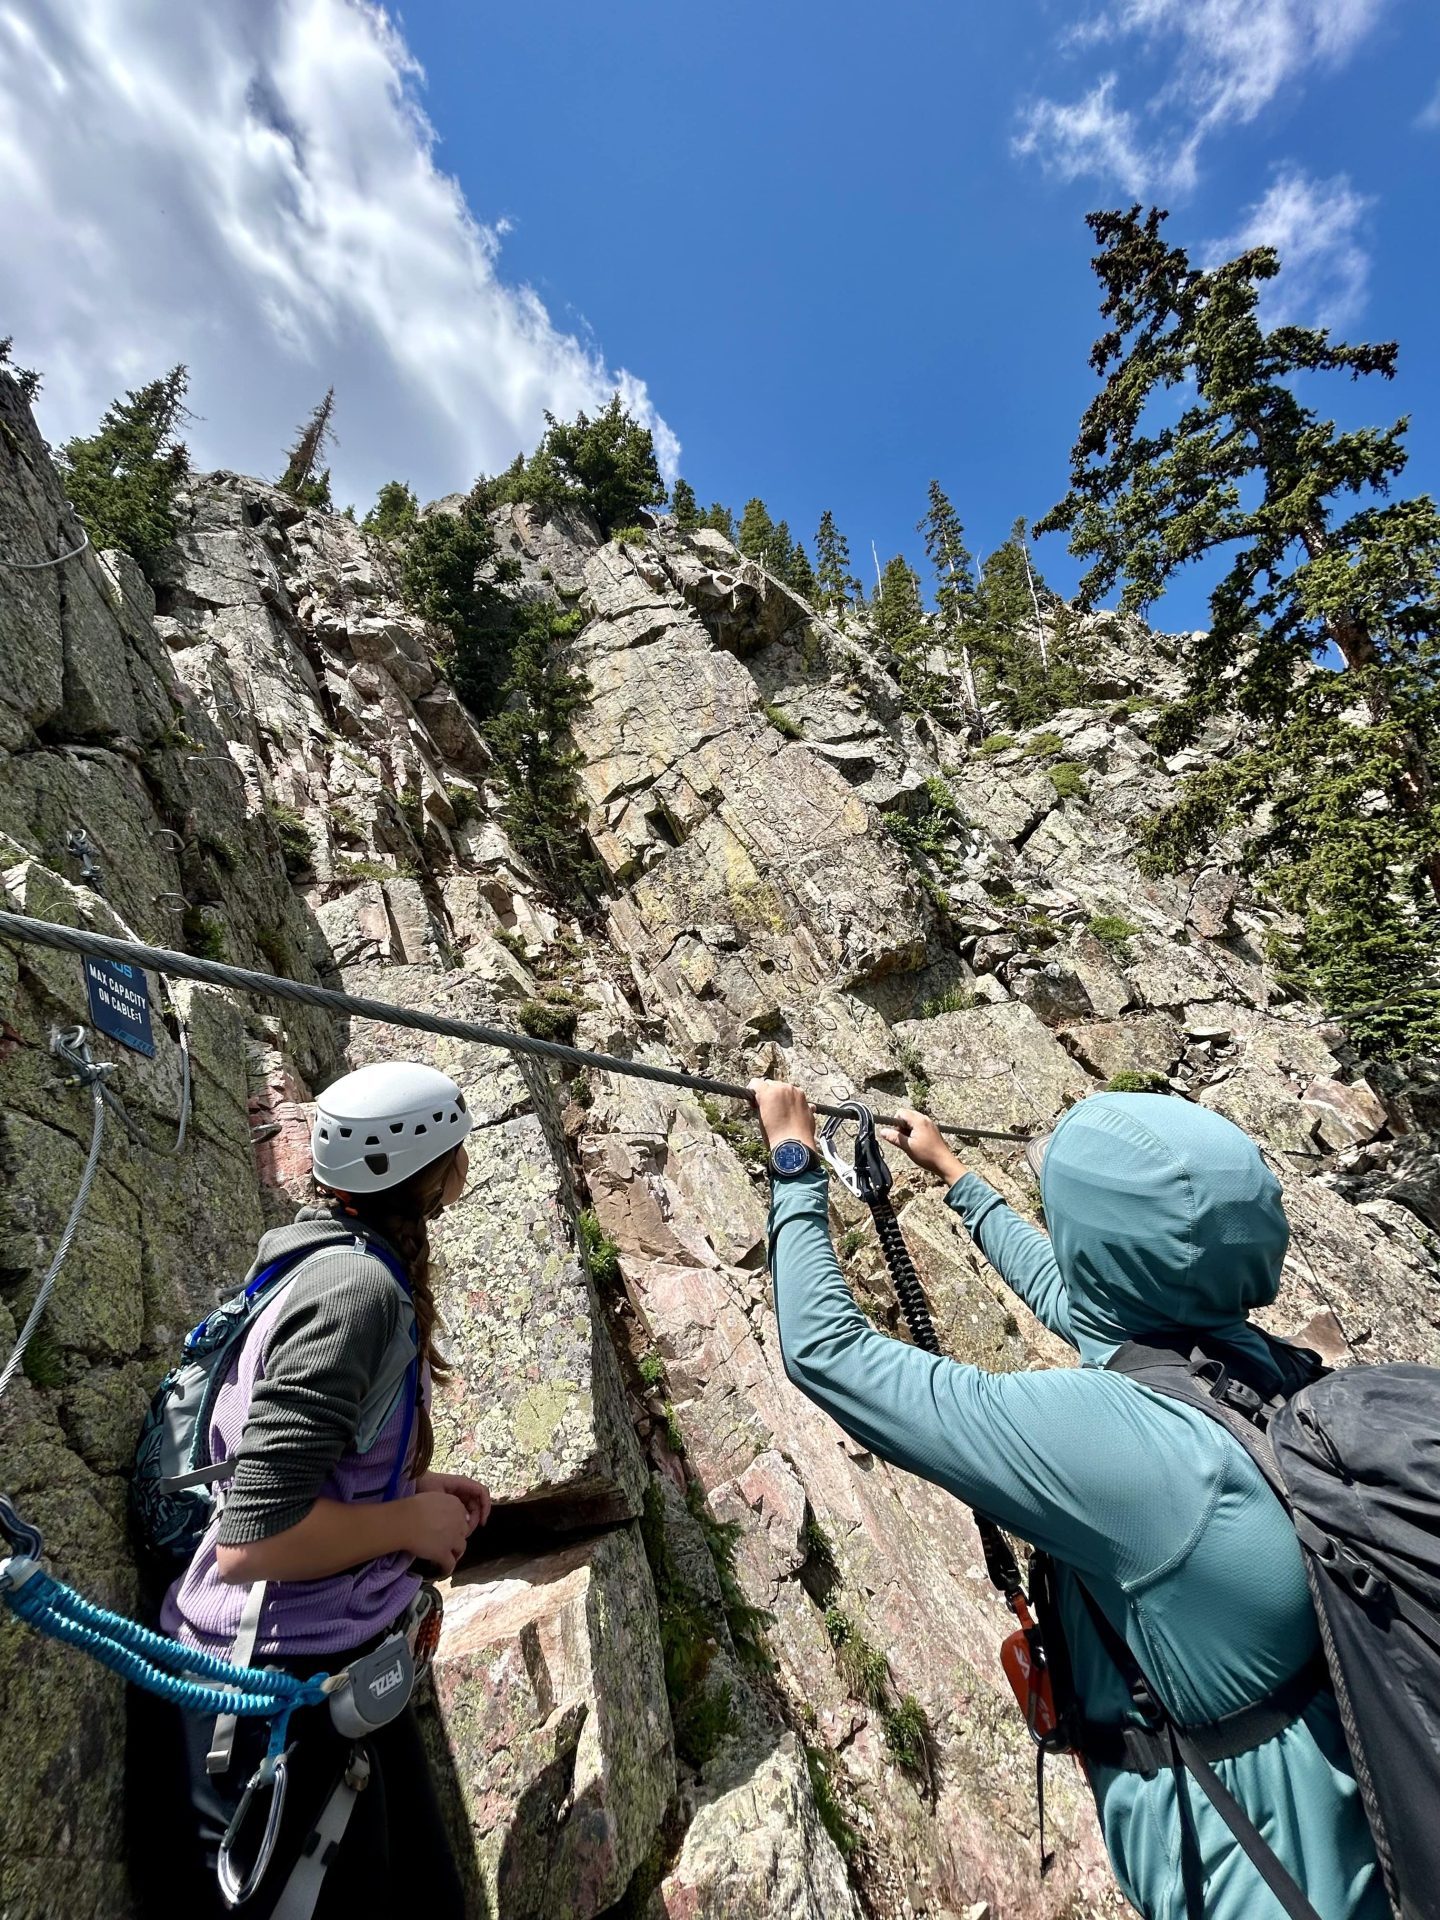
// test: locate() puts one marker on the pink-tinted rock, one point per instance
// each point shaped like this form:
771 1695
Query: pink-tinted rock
553 1745
1348 1114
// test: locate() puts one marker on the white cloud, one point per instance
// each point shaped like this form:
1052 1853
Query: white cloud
1228 60
1313 225
1093 135
1429 115
250 186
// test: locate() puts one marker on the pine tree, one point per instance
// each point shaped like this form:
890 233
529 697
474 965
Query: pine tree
529 735
302 478
1025 642
394 514
609 463
440 579
1324 624
684 506
122 480
836 586
897 612
800 575
719 519
954 593
757 537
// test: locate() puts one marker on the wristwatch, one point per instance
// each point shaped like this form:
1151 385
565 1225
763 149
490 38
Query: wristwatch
791 1157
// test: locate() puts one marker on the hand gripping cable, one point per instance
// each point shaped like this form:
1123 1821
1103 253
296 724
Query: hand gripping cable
869 1178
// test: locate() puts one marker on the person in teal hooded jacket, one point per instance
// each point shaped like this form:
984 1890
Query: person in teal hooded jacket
1163 1217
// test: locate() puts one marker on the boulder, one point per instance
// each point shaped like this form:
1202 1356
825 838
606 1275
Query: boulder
1267 1108
1053 992
1348 1115
1145 1043
759 1851
1211 910
552 1739
995 1066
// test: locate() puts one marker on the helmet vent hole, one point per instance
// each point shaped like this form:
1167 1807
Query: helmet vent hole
397 1126
378 1163
372 1139
437 1116
345 1132
460 1101
420 1127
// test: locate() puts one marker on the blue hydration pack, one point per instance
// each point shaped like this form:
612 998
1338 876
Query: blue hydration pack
173 1481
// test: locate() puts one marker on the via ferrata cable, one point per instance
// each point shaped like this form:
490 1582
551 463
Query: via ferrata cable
185 966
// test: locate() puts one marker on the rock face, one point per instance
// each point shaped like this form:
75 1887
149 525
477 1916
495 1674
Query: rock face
643 1702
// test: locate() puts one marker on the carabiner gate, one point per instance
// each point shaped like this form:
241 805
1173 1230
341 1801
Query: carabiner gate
273 1775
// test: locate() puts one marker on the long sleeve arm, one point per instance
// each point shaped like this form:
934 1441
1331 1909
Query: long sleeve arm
1033 1451
329 1339
1018 1252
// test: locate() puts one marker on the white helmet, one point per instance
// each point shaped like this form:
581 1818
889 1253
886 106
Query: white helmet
376 1127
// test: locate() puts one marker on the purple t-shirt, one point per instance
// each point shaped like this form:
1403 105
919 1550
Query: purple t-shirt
299 1616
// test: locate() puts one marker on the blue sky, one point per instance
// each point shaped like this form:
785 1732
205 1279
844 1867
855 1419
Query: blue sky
833 250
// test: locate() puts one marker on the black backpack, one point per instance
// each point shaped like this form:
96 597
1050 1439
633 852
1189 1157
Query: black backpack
1354 1457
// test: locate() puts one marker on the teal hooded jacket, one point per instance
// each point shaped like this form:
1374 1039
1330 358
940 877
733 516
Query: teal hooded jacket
1163 1217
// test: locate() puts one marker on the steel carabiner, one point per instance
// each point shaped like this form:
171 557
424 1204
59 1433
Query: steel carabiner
274 1775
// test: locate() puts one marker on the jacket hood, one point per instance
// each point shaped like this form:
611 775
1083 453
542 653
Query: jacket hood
1163 1216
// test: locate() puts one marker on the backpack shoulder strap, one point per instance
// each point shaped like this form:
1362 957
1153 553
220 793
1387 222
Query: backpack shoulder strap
1214 1385
1187 1755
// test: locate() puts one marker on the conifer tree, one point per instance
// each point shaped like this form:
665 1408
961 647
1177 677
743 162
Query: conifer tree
684 506
836 586
719 519
1324 623
394 514
800 575
757 538
122 480
609 463
954 593
1024 640
303 479
897 612
441 580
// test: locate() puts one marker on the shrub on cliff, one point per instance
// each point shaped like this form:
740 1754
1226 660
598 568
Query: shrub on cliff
606 464
123 479
395 514
25 378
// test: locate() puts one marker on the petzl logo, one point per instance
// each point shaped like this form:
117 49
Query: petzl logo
387 1682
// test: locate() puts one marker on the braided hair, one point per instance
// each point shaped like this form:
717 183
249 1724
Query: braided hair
402 1215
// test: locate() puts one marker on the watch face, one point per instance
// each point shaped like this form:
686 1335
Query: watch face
791 1156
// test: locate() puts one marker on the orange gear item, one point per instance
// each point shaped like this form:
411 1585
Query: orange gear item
1030 1682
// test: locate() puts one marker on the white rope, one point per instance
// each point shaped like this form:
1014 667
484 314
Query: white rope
71 1047
39 566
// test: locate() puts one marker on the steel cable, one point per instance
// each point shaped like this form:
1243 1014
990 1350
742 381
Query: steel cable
218 973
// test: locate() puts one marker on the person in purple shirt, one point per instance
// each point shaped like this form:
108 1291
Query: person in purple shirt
311 1558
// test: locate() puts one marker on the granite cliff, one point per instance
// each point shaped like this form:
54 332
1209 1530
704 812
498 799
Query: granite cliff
266 761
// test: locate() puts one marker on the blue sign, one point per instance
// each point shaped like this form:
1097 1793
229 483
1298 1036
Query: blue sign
120 1003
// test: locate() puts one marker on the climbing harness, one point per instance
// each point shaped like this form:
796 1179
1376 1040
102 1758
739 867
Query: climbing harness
185 966
361 1697
1022 1654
